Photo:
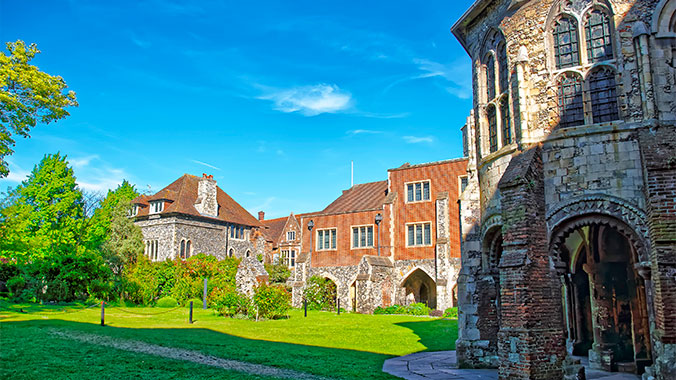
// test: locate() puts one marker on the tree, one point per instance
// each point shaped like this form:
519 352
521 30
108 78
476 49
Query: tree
27 96
44 213
111 228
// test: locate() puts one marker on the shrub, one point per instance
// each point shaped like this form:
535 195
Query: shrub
417 309
228 302
270 301
451 312
412 309
278 273
16 285
394 309
320 293
167 302
196 303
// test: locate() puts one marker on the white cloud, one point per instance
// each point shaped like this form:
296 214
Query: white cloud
16 173
458 73
205 164
100 180
83 161
310 100
363 132
418 139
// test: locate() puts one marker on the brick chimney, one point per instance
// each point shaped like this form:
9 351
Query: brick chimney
206 202
261 215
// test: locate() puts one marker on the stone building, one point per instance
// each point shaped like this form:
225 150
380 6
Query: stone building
388 242
283 236
193 215
569 215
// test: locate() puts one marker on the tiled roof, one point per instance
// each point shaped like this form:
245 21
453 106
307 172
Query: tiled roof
365 196
275 227
181 196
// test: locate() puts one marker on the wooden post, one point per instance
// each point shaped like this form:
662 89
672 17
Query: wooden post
338 305
305 306
103 314
190 312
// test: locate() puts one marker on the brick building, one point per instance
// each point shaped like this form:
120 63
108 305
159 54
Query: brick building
569 217
193 215
283 236
386 242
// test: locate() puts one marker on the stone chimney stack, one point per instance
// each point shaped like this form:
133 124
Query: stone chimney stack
206 202
261 215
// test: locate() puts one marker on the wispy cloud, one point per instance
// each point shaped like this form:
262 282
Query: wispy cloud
16 173
82 161
363 132
205 164
458 75
139 42
310 100
419 139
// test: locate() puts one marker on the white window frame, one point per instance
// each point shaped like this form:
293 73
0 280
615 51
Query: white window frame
422 191
331 241
156 207
290 235
134 210
235 234
359 246
415 224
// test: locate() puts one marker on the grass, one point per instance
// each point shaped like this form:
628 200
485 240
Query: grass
349 346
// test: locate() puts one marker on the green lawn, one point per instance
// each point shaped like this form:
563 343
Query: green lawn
349 346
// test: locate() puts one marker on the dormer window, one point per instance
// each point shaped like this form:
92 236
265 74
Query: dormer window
156 207
291 235
133 211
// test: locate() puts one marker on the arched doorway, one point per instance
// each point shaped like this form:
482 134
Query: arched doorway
605 299
353 296
420 287
488 284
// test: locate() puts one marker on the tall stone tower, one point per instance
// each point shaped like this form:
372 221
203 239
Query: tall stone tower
569 216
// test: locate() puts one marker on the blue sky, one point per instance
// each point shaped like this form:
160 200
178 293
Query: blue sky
274 98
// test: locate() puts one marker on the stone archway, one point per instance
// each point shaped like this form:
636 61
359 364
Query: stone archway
420 287
605 298
488 285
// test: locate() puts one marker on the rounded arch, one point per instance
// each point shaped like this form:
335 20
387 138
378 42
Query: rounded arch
491 249
420 287
664 19
412 271
231 252
330 276
248 253
490 222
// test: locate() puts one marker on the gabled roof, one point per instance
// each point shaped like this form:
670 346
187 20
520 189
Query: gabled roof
181 196
275 227
361 197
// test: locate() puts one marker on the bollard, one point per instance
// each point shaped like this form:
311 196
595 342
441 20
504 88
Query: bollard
338 304
305 306
204 296
103 314
191 312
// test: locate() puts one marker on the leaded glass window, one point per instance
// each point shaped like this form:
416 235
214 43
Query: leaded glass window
571 111
492 128
603 96
566 47
597 33
506 122
490 77
502 67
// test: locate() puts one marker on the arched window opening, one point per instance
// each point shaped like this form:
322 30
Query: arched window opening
490 77
566 46
231 253
571 111
603 95
506 123
182 251
597 33
187 249
502 67
248 253
492 128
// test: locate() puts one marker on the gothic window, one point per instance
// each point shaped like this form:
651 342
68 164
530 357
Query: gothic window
602 93
492 128
182 252
571 111
490 77
506 124
187 249
566 49
597 33
502 67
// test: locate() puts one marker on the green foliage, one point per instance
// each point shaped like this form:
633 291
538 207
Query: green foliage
229 302
412 309
451 312
271 302
278 273
320 293
166 302
27 96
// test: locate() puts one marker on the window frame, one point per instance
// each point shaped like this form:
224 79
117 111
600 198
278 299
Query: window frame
422 224
291 235
156 207
358 227
422 191
333 239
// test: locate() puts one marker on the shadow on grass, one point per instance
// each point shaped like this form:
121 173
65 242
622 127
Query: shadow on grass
33 352
435 335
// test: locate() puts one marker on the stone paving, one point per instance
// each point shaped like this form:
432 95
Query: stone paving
442 365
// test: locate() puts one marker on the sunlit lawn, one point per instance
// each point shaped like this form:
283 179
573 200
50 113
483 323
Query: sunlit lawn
346 346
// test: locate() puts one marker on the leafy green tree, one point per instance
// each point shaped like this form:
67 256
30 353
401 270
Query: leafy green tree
44 213
27 96
111 228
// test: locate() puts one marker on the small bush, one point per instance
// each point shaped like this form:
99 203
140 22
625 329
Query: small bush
320 294
196 303
16 285
451 312
167 302
270 301
417 309
228 302
277 273
412 309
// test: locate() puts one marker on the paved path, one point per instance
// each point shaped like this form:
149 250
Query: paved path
441 365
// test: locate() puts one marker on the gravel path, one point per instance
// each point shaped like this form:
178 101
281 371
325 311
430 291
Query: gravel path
183 354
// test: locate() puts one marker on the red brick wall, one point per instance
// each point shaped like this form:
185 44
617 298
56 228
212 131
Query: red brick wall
443 177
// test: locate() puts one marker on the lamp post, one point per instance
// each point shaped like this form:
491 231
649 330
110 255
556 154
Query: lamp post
310 226
379 218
